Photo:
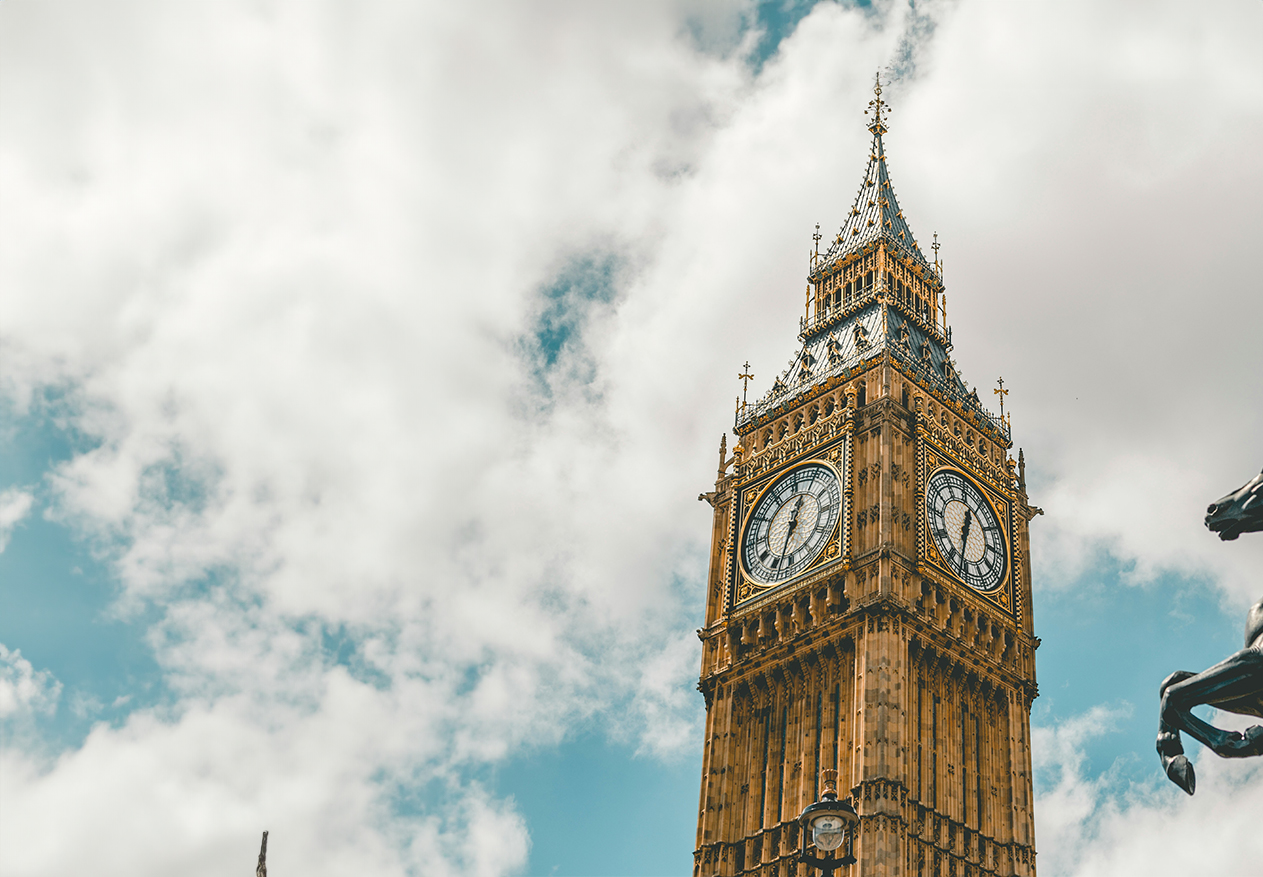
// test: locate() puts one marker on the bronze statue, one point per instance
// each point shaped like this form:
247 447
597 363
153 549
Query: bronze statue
1235 684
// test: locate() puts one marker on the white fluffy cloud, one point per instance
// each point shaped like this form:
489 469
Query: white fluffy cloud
15 504
203 787
290 261
24 691
1089 826
287 259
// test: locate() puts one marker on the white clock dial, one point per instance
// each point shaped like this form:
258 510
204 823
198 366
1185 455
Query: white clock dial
791 524
965 530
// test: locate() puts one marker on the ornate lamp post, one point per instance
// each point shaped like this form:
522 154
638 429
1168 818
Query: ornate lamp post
828 825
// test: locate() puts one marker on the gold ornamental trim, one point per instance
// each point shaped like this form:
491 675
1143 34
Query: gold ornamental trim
837 460
933 460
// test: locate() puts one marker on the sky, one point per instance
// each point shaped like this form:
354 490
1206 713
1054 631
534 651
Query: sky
361 363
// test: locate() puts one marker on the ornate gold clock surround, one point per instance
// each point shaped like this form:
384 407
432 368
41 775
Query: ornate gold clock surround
930 561
745 591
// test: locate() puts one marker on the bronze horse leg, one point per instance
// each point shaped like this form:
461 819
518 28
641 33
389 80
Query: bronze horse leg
1235 685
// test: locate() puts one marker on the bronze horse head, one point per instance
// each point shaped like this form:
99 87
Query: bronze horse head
1239 512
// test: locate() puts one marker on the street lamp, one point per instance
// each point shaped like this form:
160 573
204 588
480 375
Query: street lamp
827 825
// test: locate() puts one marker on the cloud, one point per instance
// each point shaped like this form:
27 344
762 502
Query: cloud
286 271
25 691
1067 798
206 786
15 504
1090 826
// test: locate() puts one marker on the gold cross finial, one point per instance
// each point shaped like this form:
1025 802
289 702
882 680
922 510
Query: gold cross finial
934 246
816 237
745 377
1001 392
877 105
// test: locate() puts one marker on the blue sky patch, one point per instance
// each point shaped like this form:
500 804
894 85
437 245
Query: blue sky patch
56 593
1107 642
596 809
777 20
584 280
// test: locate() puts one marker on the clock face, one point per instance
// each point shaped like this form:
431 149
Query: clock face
791 524
965 530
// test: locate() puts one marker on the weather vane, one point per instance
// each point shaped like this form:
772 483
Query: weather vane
1001 392
745 377
877 105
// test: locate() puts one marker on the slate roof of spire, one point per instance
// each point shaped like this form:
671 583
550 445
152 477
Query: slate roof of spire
870 332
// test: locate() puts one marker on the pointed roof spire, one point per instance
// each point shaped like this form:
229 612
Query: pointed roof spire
876 212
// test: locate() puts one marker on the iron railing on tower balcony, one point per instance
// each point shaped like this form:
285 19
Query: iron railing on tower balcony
922 313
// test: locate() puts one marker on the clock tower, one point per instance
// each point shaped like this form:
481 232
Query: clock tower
869 598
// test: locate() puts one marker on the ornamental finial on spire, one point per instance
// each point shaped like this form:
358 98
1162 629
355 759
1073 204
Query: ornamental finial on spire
878 106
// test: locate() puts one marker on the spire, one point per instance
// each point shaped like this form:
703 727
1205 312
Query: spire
872 293
876 212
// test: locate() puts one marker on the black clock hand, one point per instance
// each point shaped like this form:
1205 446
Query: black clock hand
964 532
793 522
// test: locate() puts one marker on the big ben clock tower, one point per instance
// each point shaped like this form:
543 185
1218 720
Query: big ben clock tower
869 597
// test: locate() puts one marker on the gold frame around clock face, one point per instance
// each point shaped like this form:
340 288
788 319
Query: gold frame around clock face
791 524
970 539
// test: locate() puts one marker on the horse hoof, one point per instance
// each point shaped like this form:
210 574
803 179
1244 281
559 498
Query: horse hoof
1180 772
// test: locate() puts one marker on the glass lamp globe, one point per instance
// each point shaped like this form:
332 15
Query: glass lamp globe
828 831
